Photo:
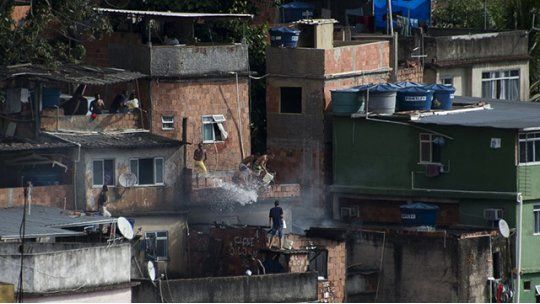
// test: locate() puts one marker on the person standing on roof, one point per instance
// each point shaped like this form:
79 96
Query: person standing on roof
275 219
200 157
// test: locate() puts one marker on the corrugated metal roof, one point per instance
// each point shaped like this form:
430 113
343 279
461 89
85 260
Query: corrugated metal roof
121 140
174 14
44 222
44 141
70 73
521 115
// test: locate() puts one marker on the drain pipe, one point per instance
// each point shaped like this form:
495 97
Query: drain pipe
517 288
239 116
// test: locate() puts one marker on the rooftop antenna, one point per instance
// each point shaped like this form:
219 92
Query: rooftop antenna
504 229
151 270
127 180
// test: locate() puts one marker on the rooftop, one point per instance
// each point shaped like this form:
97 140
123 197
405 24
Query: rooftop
500 114
44 141
172 15
70 73
44 221
121 140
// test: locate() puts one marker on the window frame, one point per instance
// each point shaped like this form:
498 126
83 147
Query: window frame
153 168
160 238
444 78
420 150
536 225
301 100
499 79
102 160
164 121
528 137
214 124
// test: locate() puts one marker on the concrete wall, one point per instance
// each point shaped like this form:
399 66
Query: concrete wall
103 122
289 287
194 98
136 198
121 295
177 228
484 46
423 267
65 268
60 196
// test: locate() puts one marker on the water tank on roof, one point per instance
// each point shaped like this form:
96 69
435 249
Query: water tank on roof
382 97
414 98
419 214
284 36
347 101
443 96
296 10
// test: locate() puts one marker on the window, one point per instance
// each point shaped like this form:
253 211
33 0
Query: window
430 148
149 171
501 85
447 80
291 100
527 285
536 212
167 122
157 245
213 129
529 148
103 172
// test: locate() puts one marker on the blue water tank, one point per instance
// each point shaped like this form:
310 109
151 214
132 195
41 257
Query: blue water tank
419 214
50 97
414 98
284 36
407 84
296 10
382 97
347 101
443 96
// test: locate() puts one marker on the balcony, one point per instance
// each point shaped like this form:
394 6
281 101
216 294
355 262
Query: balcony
179 60
52 120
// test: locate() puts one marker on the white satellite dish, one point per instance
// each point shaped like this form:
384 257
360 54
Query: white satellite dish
125 228
504 229
127 179
151 270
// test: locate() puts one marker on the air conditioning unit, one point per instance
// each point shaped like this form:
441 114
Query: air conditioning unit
493 214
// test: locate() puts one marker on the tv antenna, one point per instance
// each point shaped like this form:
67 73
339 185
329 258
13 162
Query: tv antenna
125 228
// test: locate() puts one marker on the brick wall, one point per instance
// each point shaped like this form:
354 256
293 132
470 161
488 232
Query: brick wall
97 51
412 71
359 57
19 12
103 122
336 267
298 262
195 98
60 196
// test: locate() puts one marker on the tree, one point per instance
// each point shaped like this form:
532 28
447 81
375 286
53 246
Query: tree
501 14
52 32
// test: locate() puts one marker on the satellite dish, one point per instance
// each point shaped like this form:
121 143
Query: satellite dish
151 270
125 228
127 179
504 230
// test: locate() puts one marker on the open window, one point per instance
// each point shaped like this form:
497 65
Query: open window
149 171
214 129
291 100
167 122
318 261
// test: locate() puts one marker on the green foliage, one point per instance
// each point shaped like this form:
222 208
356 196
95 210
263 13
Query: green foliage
53 32
502 14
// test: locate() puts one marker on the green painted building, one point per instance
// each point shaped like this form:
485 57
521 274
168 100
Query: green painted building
474 163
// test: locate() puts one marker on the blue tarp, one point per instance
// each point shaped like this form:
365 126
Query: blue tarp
419 9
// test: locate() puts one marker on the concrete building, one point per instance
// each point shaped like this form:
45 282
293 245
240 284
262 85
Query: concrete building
479 64
298 103
199 89
63 259
476 163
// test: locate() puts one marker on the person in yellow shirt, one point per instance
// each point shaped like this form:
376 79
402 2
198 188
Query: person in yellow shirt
200 157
